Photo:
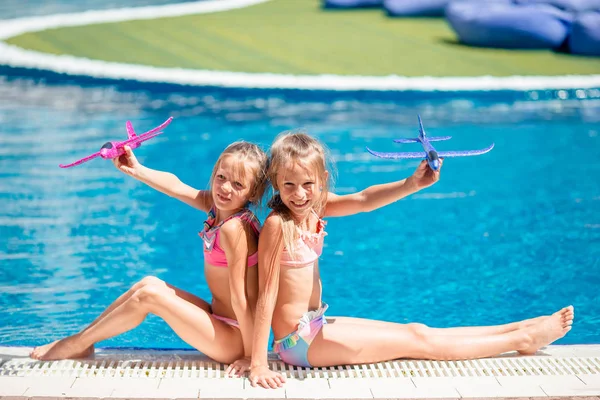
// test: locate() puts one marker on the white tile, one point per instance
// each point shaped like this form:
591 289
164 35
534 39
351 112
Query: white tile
133 387
378 387
558 390
217 392
221 388
422 387
116 383
168 384
408 392
524 386
347 388
134 393
260 393
222 394
582 385
82 391
221 383
309 388
568 385
48 386
182 393
530 379
13 386
180 388
389 382
590 380
451 386
391 387
484 386
531 390
349 383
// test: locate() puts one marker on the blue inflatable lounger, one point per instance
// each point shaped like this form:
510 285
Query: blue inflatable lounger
351 3
424 8
415 8
509 26
585 34
567 5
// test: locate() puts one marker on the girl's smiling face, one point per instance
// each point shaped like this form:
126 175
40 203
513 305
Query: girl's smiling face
298 188
232 184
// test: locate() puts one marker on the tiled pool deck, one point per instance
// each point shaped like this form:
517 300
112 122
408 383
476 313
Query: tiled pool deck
557 371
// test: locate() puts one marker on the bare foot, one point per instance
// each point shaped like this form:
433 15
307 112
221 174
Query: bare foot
549 329
565 312
61 350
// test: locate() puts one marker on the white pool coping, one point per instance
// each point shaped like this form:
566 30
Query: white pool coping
556 371
16 57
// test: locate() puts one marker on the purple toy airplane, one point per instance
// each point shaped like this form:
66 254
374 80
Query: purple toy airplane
115 149
429 153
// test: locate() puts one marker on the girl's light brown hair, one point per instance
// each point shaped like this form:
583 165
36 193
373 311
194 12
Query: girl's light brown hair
287 149
247 155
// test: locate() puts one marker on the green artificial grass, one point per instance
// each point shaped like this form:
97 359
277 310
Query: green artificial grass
299 37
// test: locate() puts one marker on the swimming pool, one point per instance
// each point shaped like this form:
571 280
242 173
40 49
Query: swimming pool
508 235
16 8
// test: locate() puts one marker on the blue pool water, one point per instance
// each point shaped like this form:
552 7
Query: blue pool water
505 236
28 8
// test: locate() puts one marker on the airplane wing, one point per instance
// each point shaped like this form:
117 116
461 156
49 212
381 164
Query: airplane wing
159 128
406 140
420 154
130 132
438 138
88 158
465 153
141 138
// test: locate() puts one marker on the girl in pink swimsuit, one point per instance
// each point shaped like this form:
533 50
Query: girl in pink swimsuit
221 329
290 299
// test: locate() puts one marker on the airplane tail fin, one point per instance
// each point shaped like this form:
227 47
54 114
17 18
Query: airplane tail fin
130 132
421 129
438 138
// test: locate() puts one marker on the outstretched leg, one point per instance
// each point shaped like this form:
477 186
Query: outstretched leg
566 314
41 351
348 341
191 320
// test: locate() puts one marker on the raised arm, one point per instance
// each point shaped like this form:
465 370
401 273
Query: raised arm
164 182
270 247
378 196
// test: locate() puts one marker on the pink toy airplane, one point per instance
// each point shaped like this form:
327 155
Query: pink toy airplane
115 149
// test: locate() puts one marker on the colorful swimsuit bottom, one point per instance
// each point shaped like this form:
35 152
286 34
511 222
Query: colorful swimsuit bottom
293 349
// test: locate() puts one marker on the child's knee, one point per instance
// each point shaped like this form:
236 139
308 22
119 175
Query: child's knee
148 281
150 296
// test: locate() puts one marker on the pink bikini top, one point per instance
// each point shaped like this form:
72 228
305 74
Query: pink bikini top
309 247
213 253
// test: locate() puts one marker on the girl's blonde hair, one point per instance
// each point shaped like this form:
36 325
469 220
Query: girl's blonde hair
247 155
287 149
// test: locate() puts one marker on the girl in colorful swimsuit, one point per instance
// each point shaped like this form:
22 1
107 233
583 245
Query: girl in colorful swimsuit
290 286
223 328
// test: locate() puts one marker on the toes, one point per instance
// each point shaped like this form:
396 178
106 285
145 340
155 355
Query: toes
570 310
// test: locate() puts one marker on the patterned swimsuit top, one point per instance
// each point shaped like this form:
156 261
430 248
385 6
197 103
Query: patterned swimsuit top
308 248
213 252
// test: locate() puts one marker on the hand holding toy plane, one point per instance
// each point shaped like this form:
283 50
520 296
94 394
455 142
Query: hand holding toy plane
429 153
115 149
